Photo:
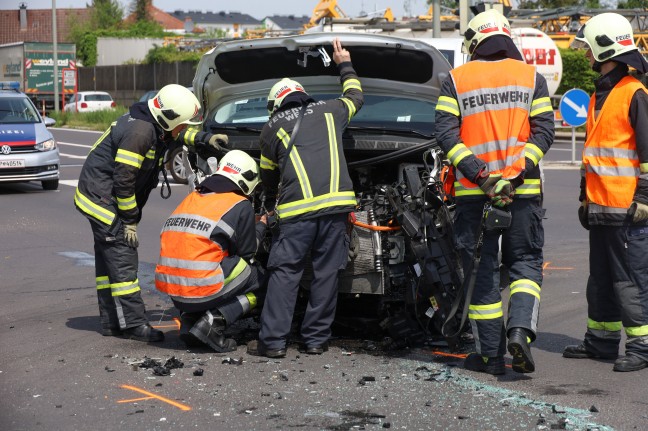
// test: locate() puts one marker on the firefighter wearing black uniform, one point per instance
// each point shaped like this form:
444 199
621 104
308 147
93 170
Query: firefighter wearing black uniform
315 198
119 173
494 120
614 196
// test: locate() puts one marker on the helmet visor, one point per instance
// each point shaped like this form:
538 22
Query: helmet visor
579 41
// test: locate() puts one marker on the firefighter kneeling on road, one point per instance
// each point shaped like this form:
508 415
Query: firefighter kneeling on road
118 175
207 250
614 196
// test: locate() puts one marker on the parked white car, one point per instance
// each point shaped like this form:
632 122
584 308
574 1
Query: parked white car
88 101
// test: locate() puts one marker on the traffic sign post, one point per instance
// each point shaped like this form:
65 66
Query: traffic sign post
69 80
573 108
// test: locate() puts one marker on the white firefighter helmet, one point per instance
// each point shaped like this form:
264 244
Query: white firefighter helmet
174 105
280 90
484 25
239 167
607 35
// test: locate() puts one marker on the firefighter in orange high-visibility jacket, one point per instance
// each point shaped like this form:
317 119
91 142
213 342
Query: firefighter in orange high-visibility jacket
494 120
207 251
614 196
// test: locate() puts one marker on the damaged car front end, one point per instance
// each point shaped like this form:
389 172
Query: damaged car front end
403 273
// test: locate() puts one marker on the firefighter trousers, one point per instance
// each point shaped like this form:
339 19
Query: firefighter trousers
327 241
617 290
235 299
521 247
118 291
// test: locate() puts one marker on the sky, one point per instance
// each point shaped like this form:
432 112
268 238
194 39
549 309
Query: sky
256 8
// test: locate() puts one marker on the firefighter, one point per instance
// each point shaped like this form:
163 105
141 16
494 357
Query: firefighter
206 261
494 120
314 201
119 173
614 196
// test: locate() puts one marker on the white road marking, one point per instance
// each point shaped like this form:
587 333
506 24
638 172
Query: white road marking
73 145
72 156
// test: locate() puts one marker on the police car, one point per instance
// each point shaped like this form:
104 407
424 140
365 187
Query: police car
28 151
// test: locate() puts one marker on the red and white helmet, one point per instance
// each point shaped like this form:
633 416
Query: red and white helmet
608 35
280 90
175 105
484 25
240 168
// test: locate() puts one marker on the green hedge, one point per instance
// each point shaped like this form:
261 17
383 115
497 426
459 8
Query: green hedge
577 72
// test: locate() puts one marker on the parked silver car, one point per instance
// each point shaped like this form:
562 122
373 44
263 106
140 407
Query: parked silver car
402 270
28 151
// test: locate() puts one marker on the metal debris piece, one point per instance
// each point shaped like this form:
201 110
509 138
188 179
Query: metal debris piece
158 384
557 409
233 361
161 371
149 363
463 417
172 363
363 381
199 372
386 425
110 370
283 377
593 409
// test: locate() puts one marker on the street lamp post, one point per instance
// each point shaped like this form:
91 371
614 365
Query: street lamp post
55 55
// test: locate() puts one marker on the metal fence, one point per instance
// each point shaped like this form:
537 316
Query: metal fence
127 83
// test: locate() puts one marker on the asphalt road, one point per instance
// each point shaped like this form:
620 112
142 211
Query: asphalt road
58 373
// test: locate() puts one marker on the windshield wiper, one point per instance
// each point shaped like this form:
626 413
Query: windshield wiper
390 130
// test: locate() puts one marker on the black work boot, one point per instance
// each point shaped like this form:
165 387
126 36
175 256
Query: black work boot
630 363
187 321
210 330
111 332
581 352
519 347
257 348
483 364
144 332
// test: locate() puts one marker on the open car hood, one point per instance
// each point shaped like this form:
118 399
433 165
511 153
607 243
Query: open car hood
385 65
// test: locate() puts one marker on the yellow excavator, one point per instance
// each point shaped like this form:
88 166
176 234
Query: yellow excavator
330 9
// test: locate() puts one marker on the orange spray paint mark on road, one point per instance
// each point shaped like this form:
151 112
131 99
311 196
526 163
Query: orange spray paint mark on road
555 268
175 325
157 397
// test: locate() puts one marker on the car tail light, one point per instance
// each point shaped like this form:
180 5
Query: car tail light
84 105
113 105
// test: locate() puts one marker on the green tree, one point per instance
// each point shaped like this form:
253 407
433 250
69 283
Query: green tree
141 9
633 4
577 72
105 14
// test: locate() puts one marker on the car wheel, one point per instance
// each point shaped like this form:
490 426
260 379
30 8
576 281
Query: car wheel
50 184
178 171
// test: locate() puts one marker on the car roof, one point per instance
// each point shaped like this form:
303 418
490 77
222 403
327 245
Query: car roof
249 68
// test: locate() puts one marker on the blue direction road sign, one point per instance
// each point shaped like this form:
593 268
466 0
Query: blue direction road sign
573 107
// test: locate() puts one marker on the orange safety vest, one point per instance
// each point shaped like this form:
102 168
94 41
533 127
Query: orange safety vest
610 156
189 264
494 100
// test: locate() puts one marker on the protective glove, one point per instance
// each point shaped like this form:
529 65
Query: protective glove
638 211
130 235
487 183
218 141
502 193
582 214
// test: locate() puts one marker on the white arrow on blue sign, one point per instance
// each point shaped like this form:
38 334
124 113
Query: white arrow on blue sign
573 107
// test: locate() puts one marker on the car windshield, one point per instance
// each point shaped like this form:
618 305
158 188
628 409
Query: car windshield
392 113
17 110
98 98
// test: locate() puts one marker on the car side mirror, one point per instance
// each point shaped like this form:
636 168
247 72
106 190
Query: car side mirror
49 122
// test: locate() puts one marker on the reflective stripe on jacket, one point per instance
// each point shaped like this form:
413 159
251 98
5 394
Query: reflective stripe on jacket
316 179
189 267
610 156
495 118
